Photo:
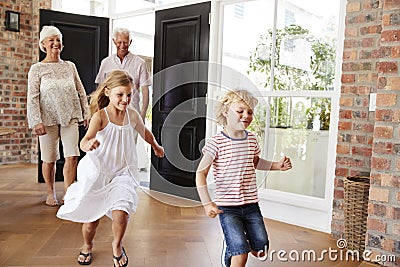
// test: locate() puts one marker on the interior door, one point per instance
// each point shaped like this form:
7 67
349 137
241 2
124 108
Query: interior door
179 93
86 40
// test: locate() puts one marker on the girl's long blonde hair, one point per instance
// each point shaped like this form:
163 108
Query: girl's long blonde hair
98 98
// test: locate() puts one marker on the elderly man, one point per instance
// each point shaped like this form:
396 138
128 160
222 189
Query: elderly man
133 64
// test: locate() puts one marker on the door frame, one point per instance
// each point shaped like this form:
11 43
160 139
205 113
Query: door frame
275 204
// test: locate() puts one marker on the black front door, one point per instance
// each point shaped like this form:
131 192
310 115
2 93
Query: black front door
85 40
179 94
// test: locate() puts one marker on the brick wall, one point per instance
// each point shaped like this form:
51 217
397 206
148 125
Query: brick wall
369 142
18 50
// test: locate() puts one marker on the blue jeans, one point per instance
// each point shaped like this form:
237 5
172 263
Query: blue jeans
244 229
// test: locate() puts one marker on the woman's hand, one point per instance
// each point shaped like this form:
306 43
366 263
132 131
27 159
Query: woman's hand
39 129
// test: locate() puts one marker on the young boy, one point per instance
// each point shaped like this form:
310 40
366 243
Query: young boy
234 155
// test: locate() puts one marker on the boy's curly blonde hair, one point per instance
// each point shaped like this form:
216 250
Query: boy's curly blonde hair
231 97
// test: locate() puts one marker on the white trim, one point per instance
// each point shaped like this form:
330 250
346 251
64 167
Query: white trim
288 207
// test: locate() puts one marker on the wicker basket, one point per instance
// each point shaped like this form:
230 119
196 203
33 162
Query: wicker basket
356 191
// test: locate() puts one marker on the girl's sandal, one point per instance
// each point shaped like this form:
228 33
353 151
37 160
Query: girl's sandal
51 201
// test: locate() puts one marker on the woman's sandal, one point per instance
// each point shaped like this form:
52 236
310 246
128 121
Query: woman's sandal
120 257
85 255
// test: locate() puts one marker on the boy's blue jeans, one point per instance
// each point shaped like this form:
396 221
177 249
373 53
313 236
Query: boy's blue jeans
244 230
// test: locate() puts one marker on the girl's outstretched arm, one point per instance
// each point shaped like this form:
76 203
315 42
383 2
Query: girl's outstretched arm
145 133
89 141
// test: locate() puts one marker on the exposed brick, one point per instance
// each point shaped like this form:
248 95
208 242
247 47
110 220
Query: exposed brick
395 52
18 50
343 149
380 163
387 67
386 100
388 180
348 78
383 148
384 115
393 83
377 209
396 229
391 5
374 29
345 126
376 225
388 244
350 55
379 194
361 151
340 172
391 19
338 194
383 132
353 7
351 32
390 36
346 101
345 114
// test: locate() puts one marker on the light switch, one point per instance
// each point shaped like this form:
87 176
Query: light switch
372 102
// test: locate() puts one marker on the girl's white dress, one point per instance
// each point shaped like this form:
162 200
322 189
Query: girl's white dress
107 177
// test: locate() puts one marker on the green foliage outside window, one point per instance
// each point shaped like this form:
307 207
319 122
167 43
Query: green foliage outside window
319 76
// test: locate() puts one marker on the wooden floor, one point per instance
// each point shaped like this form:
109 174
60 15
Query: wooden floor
159 235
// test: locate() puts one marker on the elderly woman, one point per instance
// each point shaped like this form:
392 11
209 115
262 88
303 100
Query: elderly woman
56 103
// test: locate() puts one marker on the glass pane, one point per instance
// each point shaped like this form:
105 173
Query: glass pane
122 6
142 31
243 25
299 129
305 46
82 7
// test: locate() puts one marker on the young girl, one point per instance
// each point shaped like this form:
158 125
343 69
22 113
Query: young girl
108 174
234 155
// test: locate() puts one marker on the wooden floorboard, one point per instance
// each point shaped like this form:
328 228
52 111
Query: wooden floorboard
159 234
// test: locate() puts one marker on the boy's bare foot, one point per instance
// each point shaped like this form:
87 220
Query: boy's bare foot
51 201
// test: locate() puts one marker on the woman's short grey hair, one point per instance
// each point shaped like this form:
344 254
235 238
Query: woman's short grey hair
121 31
48 31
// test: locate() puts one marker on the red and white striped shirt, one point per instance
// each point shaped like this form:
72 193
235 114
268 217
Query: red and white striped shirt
234 171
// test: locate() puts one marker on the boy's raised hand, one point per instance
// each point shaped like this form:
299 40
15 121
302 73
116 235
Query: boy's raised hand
285 164
212 210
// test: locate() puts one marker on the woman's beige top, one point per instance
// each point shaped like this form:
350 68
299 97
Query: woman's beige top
55 94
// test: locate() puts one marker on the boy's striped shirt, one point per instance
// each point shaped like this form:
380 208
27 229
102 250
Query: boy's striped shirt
234 171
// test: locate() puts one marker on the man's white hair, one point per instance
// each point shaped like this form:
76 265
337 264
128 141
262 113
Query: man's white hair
121 31
48 31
